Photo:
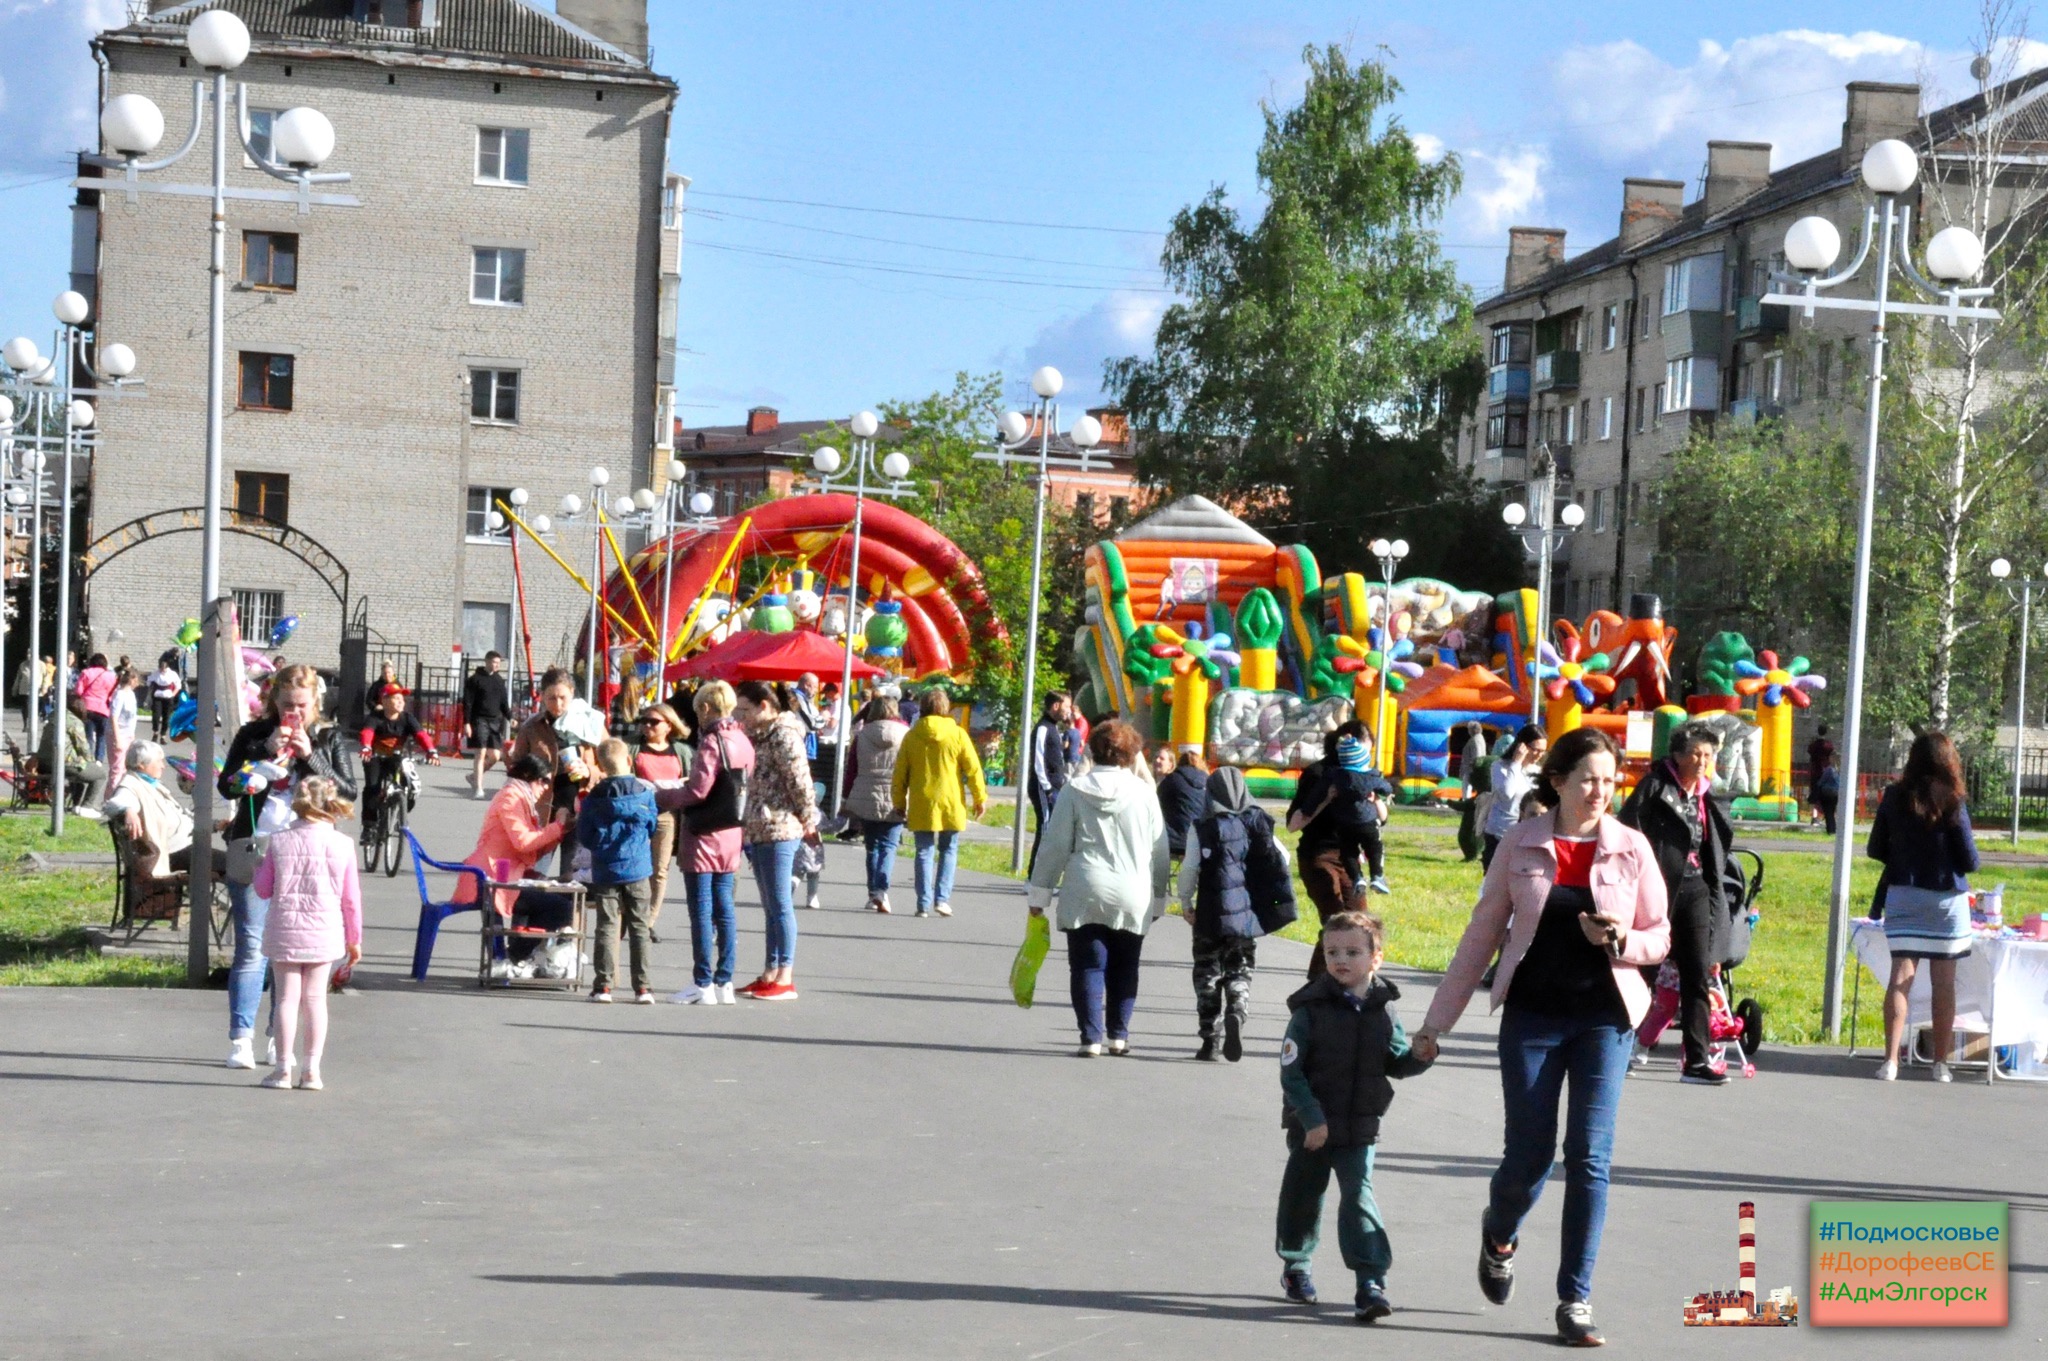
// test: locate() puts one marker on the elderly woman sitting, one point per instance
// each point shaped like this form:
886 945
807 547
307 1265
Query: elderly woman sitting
157 819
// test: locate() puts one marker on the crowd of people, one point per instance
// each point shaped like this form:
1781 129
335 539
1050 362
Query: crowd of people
1586 916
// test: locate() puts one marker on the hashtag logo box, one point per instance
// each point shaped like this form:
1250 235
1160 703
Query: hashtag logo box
1909 1264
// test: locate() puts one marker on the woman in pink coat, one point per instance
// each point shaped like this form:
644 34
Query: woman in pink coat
711 803
308 873
1575 904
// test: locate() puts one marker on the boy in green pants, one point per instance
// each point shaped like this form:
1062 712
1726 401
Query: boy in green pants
1343 1043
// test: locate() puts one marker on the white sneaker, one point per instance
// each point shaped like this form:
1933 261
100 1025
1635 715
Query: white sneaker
1941 1072
1888 1071
479 793
813 903
694 996
943 909
1088 1051
89 814
1639 1056
270 1051
725 996
882 905
242 1052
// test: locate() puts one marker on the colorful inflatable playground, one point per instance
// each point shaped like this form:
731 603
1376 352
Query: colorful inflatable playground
1208 635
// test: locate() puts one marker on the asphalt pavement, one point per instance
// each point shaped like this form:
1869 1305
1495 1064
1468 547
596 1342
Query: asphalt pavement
901 1163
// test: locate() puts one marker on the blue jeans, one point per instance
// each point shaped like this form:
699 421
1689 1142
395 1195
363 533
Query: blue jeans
881 839
1538 1056
1103 965
947 845
248 974
96 735
774 863
711 910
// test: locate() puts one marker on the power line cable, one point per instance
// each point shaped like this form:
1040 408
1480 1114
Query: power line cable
722 215
883 268
930 217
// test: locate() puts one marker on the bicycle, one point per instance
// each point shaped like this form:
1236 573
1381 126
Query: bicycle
391 787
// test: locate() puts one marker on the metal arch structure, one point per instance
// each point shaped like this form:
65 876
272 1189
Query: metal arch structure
191 519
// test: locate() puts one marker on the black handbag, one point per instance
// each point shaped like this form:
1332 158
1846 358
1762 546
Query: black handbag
725 806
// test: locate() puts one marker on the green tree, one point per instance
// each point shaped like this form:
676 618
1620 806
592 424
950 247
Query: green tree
986 509
1312 375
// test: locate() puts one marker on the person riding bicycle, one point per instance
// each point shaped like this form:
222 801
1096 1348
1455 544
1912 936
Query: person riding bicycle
385 736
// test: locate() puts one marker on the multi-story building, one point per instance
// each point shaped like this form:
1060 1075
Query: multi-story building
499 312
1614 356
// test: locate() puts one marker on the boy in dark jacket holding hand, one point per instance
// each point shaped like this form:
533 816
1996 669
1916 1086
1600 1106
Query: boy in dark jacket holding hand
1343 1043
616 825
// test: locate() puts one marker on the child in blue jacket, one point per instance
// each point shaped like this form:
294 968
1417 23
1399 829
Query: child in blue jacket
616 825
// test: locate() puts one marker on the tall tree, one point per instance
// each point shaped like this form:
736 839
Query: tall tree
1311 375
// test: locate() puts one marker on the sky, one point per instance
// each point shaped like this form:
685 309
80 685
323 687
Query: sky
883 196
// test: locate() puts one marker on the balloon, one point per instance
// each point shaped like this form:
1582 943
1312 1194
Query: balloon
773 614
183 713
283 629
187 634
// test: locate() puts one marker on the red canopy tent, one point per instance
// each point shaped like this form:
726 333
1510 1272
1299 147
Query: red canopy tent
752 655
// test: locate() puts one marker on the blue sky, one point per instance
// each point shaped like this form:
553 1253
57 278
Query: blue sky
1094 121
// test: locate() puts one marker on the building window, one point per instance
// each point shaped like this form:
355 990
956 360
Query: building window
1693 285
1657 403
1119 509
392 13
1774 378
262 496
1798 377
486 628
1647 316
1507 430
1585 430
1600 500
476 521
266 382
270 261
501 155
1642 412
498 276
1610 324
1635 503
1823 365
1606 418
257 132
257 612
1084 507
494 395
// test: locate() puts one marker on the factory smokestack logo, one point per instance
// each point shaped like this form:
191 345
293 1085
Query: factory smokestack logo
1738 1308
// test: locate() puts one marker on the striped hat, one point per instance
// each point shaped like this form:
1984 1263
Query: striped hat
1351 754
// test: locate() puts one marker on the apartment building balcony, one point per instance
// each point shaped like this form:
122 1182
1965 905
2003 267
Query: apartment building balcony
1557 371
1690 332
1507 382
1747 411
1754 319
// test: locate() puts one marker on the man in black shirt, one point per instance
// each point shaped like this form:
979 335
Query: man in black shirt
1049 763
486 714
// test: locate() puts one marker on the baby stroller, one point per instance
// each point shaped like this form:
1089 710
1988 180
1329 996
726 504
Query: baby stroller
1741 1022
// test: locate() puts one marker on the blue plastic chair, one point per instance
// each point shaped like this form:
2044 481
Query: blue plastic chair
432 914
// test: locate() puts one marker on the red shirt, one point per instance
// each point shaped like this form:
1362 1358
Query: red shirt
1575 860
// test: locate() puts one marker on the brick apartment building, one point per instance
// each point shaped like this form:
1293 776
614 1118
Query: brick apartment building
499 312
1614 356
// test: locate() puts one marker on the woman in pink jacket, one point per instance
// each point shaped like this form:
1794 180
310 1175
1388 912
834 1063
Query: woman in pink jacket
308 873
711 804
1574 903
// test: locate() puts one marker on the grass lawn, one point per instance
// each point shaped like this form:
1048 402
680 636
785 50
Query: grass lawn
43 916
1434 889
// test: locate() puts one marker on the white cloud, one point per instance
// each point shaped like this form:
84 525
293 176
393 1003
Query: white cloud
1121 324
1428 146
1502 190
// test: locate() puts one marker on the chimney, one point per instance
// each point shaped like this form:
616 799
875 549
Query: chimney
1531 252
1735 170
622 23
1877 111
1648 208
1116 426
763 420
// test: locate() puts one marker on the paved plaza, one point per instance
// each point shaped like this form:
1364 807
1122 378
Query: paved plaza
900 1164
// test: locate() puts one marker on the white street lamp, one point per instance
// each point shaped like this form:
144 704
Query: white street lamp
700 504
71 308
1890 168
1543 528
1014 430
21 354
1389 555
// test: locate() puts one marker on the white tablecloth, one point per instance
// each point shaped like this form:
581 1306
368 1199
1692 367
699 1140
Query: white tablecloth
2001 985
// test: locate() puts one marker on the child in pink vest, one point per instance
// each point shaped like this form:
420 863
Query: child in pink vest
316 917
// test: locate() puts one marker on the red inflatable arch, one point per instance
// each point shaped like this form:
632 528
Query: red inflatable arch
945 602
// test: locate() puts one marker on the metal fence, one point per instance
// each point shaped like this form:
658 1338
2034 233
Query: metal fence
437 701
1987 780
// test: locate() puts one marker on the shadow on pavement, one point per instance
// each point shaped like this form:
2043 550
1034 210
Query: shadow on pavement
854 1290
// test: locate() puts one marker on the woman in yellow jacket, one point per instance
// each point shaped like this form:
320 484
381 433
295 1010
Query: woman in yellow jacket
936 761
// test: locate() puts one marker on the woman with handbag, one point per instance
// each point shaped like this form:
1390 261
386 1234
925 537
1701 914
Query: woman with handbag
781 814
296 738
711 804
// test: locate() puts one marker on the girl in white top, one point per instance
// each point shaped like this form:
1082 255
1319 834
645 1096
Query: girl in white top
121 710
165 684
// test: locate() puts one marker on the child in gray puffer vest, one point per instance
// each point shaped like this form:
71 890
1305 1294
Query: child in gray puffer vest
1235 886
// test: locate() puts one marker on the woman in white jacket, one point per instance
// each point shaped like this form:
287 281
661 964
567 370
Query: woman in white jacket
1104 852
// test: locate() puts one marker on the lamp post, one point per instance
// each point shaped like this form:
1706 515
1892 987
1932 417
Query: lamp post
1954 255
2001 569
1541 538
833 472
301 139
574 512
1015 434
33 375
1389 555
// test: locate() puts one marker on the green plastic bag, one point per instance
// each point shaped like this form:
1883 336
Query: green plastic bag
1030 955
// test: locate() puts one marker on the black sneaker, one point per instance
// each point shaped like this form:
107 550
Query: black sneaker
1207 1053
1699 1075
1233 1037
1371 1305
1299 1288
1575 1326
1496 1270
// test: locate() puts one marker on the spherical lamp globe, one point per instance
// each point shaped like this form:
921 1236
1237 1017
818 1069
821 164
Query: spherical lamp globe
1954 254
826 460
572 504
1047 382
599 477
677 471
644 499
1014 427
1812 244
1379 548
79 413
1890 167
131 125
21 354
700 504
116 360
864 425
2001 568
622 506
542 524
6 410
1399 549
896 466
518 496
71 308
1087 433
1573 515
218 40
1515 513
